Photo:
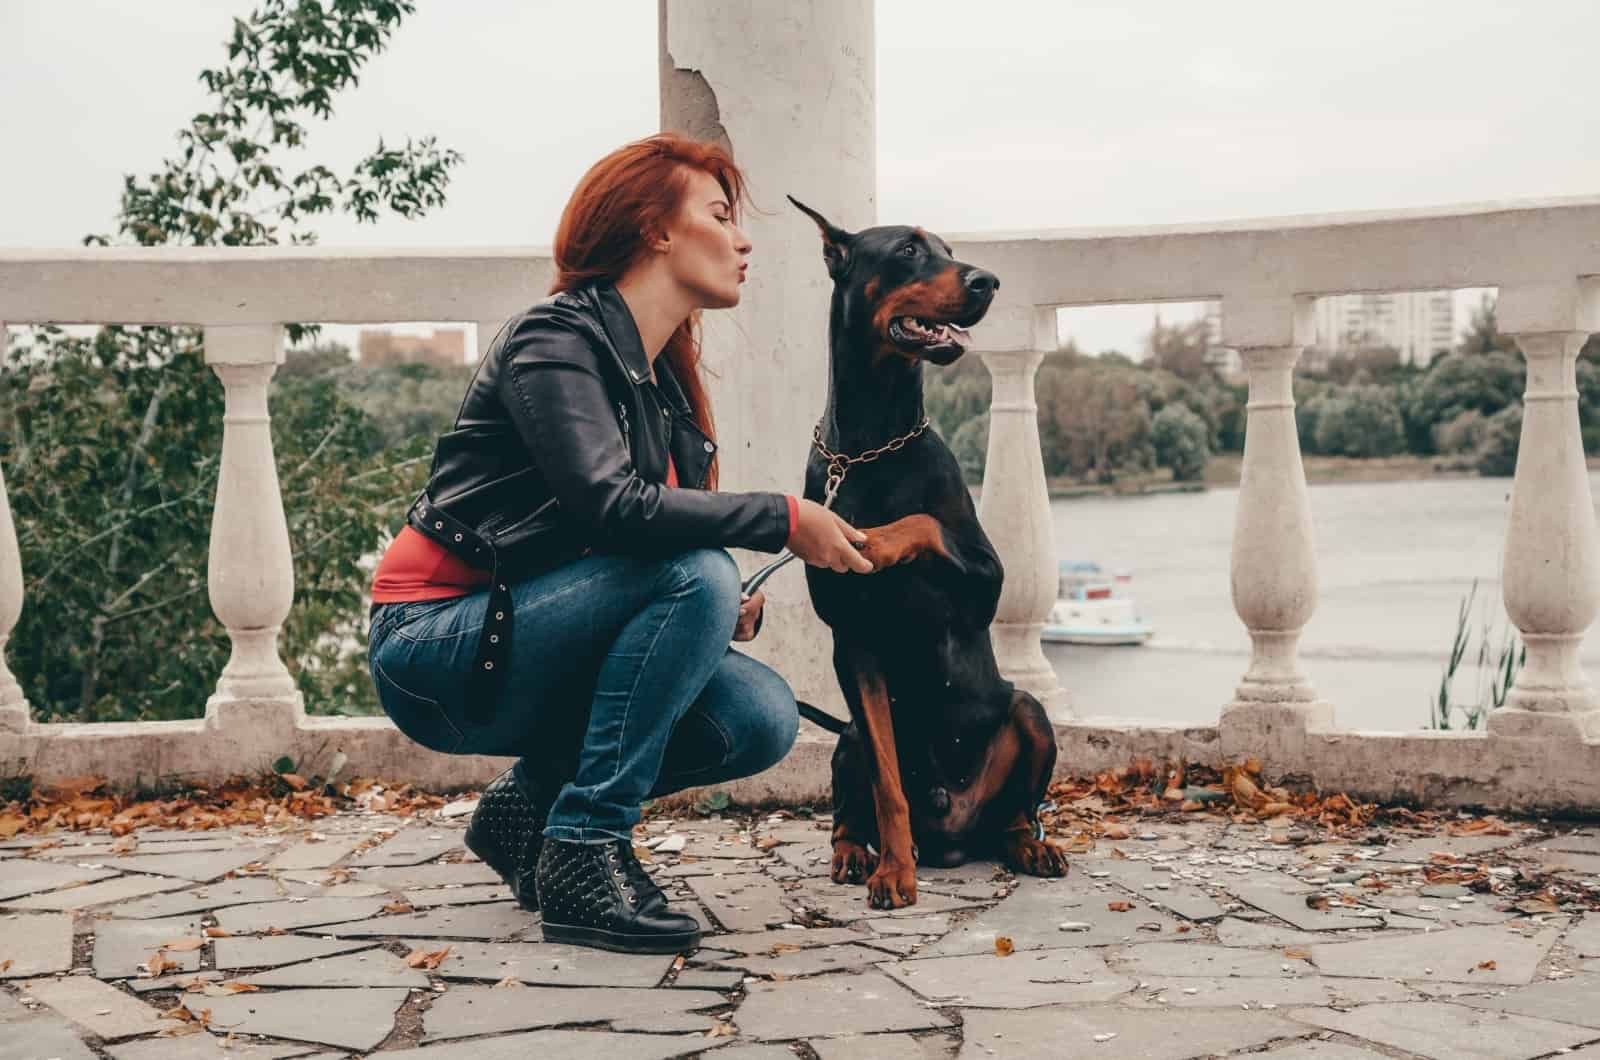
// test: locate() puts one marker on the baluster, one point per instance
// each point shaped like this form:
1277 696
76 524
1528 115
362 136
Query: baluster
1274 571
1015 513
1551 570
250 572
13 704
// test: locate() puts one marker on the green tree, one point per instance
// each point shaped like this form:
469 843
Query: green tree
1180 348
1486 381
1182 442
1359 421
1497 453
112 443
1483 333
970 445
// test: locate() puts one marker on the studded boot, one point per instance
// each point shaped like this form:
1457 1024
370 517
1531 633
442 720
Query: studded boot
507 833
597 894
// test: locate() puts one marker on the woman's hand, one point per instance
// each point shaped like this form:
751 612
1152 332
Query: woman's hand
749 616
823 539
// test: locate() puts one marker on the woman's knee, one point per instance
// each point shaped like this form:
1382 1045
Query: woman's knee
711 577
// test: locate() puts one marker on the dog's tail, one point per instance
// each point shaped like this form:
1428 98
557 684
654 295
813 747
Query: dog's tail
822 718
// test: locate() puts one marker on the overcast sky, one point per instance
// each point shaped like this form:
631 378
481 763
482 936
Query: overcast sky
1048 114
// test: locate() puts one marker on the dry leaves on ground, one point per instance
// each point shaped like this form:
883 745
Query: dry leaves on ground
1003 946
429 959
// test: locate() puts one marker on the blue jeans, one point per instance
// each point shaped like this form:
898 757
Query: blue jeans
622 686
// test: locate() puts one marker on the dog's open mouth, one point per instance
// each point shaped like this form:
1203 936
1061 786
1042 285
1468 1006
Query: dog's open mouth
938 341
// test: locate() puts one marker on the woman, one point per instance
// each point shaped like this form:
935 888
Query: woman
560 591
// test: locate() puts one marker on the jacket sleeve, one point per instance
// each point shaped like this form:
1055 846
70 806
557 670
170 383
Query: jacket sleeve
552 387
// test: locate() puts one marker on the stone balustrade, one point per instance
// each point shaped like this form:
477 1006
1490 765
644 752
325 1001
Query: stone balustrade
1540 751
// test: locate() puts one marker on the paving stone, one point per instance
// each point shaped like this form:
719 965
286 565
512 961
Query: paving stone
309 855
1449 1032
203 1047
1438 911
854 1004
26 876
1421 849
478 892
486 1010
369 968
289 915
209 1047
882 1047
899 945
1232 931
793 964
1208 992
190 865
743 903
274 950
411 846
708 979
548 963
810 859
121 946
1452 955
706 867
936 924
116 889
1570 864
38 944
1204 959
1029 918
1292 907
218 895
173 981
1140 1034
1022 980
493 921
763 941
101 1010
562 1045
26 1035
845 903
417 877
1584 938
1575 1000
108 851
754 1052
1316 1050
1582 842
1182 899
349 1019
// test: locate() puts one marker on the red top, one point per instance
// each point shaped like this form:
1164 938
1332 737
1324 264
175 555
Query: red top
416 568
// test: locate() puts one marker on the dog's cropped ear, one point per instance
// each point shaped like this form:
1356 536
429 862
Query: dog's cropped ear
836 242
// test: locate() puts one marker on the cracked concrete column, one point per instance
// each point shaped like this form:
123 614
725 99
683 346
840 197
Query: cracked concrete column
250 570
13 705
790 90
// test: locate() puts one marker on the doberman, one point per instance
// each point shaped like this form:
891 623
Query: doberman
942 758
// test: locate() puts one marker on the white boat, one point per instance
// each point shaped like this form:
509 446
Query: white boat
1093 607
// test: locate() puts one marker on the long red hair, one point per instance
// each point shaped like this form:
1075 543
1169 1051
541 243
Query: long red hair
624 199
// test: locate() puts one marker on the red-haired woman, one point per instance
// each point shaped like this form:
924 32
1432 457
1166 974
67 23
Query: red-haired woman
561 590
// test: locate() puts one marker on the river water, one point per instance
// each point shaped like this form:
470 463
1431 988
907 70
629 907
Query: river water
1394 561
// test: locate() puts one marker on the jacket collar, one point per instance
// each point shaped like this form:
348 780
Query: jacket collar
622 331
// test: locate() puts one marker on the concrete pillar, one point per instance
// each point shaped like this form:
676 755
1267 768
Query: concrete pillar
1274 570
13 705
1015 512
250 573
1551 570
791 92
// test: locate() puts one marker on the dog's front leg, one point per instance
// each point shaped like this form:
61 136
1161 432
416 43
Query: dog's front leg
894 882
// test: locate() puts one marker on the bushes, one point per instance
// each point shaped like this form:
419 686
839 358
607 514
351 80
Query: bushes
1181 442
1497 452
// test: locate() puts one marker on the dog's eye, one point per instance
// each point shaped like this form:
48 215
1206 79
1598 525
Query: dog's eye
908 251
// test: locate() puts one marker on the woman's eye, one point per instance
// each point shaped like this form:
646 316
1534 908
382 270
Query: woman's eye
908 251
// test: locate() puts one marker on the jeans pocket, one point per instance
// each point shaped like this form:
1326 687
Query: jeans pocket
422 719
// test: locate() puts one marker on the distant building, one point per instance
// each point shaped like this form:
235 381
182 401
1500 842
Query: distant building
385 349
1419 324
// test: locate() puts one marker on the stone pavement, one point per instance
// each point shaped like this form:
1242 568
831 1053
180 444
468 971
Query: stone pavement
1192 938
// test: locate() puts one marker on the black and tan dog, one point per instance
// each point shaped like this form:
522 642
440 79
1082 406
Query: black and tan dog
943 759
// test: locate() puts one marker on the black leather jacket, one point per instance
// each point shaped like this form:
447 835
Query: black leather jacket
560 449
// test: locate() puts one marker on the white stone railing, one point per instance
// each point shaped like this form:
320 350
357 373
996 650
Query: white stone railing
1543 748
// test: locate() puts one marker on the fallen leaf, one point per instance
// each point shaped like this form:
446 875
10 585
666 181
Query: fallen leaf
1295 953
398 907
1003 946
5 964
158 964
419 958
510 982
236 987
1485 966
723 1029
1116 831
183 945
218 933
1119 907
767 842
294 780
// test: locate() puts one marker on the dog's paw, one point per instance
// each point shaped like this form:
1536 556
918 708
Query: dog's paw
1035 857
893 885
851 862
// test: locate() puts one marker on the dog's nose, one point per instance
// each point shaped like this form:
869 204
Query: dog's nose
982 282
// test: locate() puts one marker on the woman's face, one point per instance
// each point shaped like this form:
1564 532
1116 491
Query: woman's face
706 250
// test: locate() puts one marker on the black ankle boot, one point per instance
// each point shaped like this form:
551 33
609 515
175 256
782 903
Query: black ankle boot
507 833
597 894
